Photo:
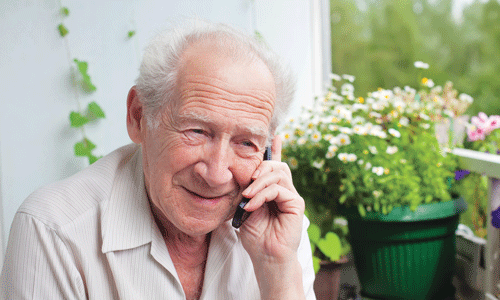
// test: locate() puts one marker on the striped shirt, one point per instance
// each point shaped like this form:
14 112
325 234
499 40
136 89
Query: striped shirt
93 236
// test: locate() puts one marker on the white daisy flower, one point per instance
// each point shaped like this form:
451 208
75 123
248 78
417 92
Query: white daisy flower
316 137
466 98
318 164
368 166
351 157
350 78
342 157
381 134
373 149
421 65
340 221
332 127
429 83
358 120
345 130
425 126
391 150
333 148
343 139
404 121
335 77
346 89
378 170
394 132
377 106
410 90
359 106
328 137
358 129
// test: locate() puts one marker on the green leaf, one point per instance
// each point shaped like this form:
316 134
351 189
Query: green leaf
361 210
330 246
77 120
64 11
93 159
94 111
131 33
316 264
84 148
314 233
63 31
86 82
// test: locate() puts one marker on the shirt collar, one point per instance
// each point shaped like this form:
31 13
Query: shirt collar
127 221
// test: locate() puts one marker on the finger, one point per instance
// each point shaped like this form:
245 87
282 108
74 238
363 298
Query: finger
271 166
286 200
279 175
276 148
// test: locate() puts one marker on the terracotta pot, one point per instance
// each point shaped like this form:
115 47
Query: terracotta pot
327 282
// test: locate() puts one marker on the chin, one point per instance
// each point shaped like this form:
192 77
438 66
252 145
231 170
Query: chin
198 227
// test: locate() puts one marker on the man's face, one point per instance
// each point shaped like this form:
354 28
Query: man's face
201 157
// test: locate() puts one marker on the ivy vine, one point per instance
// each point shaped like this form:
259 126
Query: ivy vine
81 80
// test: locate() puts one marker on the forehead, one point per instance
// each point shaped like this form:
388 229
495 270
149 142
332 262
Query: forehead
213 81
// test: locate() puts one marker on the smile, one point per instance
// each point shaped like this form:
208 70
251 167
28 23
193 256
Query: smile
207 197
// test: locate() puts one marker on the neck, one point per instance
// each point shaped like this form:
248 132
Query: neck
191 251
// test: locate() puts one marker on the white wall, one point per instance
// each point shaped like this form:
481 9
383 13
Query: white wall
36 140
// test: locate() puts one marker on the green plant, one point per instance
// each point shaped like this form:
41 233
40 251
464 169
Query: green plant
374 153
332 245
80 118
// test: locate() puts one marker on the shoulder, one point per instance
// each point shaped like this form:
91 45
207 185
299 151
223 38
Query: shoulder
64 201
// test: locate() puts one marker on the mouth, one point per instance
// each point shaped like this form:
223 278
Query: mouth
208 197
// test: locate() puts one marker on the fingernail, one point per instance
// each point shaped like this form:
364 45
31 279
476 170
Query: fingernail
256 174
247 191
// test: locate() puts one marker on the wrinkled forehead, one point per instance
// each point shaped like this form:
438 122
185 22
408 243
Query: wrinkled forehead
206 70
224 57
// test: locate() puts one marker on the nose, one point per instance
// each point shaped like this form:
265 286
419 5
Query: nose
216 166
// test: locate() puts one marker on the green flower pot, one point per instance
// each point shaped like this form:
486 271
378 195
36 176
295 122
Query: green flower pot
405 254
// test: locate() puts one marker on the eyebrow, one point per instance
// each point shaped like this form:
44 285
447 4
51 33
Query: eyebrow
254 130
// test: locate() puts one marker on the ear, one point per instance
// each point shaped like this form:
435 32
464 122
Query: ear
134 116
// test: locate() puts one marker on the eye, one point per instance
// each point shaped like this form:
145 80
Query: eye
198 131
248 144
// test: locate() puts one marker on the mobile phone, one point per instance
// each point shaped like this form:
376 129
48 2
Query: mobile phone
241 215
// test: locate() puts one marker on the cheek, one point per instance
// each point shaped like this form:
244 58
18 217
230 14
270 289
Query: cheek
243 170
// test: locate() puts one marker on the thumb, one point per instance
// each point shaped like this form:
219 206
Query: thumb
276 148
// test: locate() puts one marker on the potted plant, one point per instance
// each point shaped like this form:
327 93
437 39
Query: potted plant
376 160
329 257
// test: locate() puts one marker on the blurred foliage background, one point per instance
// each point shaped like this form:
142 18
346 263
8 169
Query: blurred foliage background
379 40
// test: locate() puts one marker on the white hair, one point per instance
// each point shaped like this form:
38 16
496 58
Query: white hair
161 62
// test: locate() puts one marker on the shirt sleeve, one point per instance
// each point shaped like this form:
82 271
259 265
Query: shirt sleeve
305 260
38 264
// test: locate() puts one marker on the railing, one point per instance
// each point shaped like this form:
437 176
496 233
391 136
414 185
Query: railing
489 165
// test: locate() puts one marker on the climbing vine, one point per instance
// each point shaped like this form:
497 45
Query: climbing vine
81 81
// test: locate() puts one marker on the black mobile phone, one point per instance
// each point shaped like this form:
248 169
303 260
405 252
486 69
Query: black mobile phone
241 215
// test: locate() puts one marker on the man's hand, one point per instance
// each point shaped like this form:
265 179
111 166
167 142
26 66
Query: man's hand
272 233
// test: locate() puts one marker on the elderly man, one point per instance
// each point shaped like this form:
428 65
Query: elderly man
152 220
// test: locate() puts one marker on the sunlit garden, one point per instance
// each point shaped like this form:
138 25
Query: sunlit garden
379 157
